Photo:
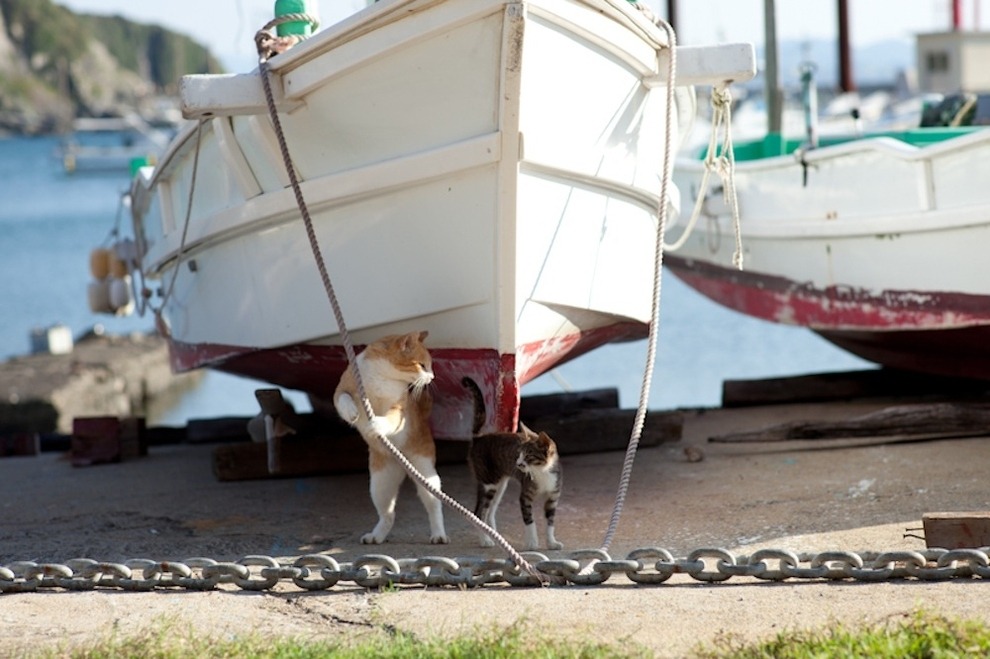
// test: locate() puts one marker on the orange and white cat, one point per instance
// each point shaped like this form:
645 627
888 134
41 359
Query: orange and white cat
395 372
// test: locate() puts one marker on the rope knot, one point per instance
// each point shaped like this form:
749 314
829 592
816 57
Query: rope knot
269 44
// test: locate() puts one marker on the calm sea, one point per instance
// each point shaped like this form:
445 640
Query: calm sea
49 222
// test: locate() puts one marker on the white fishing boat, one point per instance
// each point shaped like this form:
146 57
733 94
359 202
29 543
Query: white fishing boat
485 170
877 242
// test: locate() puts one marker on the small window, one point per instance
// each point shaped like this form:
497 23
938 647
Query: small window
937 62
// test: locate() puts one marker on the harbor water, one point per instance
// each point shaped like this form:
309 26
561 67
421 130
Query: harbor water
50 221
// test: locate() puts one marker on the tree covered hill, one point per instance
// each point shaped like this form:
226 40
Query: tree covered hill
56 65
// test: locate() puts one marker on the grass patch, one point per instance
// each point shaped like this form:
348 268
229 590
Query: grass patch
168 643
920 635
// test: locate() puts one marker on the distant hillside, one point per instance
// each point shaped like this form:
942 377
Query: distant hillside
56 65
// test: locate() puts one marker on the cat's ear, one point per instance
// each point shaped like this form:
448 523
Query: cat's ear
422 336
529 434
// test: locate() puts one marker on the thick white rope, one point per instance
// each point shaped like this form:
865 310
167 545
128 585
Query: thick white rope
662 211
719 159
263 40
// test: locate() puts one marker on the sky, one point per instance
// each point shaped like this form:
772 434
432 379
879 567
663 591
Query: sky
227 27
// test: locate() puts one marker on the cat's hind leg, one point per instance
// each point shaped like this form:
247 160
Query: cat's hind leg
489 496
433 505
550 510
386 478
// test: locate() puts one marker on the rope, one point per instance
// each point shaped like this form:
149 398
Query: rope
662 211
159 321
264 40
720 159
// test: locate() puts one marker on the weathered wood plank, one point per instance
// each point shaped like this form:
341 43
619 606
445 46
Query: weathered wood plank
820 387
310 456
599 430
969 530
569 402
590 431
940 419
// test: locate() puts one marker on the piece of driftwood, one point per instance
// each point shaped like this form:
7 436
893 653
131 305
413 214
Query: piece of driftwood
970 530
820 387
934 420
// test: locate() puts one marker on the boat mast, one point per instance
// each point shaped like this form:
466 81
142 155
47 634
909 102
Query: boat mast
846 82
771 75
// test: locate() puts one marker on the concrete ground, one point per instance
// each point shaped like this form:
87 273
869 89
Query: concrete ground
807 497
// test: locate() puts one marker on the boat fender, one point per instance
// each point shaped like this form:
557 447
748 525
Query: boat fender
99 263
118 267
296 28
120 298
99 296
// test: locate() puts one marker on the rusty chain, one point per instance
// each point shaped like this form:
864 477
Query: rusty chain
591 567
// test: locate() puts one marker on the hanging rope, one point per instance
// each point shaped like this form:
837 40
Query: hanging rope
265 40
662 211
719 159
159 320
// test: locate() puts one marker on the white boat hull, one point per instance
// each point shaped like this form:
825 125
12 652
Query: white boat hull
485 170
882 251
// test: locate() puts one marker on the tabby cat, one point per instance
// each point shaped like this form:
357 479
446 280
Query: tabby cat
395 371
529 457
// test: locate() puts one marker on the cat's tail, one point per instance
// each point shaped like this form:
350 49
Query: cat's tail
479 404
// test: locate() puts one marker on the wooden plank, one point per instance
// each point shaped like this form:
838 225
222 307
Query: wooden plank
104 439
820 387
966 530
310 456
598 430
938 419
590 431
569 402
20 444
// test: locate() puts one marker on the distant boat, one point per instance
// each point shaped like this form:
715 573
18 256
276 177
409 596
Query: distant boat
877 242
485 170
112 144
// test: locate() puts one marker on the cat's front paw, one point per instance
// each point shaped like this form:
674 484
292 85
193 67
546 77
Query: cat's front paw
554 544
346 408
371 539
487 542
439 540
380 426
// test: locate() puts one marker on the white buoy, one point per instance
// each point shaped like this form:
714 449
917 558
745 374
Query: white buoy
120 297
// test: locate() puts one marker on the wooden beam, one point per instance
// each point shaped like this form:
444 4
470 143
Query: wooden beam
820 387
936 420
957 530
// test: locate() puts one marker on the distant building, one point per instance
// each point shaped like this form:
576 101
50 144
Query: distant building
951 62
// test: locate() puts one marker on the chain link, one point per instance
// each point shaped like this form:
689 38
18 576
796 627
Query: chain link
590 567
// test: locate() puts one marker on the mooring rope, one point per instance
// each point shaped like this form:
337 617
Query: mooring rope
719 159
662 210
264 40
159 321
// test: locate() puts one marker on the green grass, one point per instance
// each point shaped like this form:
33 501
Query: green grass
920 635
168 643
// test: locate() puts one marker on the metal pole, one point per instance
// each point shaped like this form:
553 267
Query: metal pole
672 14
846 82
772 69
